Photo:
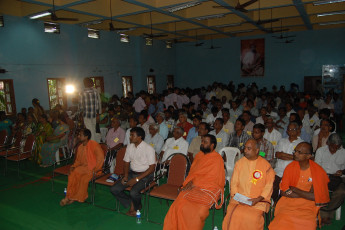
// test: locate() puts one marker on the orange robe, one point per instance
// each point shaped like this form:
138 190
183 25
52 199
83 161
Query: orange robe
78 179
207 172
299 213
251 179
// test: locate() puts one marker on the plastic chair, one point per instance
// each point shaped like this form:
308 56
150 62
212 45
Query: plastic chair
177 173
231 153
19 155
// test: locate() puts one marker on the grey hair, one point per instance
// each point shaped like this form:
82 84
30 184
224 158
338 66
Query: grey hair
180 129
154 125
161 114
334 139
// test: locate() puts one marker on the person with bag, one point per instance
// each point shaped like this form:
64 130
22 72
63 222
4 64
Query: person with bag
201 190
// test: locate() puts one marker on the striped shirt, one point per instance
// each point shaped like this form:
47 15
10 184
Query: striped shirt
90 102
238 141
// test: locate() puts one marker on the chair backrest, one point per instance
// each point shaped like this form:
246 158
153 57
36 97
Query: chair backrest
104 148
3 137
231 153
29 143
18 139
177 169
119 161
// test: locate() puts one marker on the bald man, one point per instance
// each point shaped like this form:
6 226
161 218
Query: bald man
253 178
304 189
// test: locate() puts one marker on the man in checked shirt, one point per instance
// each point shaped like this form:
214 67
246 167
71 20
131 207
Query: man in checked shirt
90 105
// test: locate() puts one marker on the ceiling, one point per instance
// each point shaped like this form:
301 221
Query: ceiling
186 24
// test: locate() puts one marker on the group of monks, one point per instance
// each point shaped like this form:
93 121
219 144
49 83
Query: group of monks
303 187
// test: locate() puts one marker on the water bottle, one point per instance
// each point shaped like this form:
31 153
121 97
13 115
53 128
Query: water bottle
138 217
215 228
65 191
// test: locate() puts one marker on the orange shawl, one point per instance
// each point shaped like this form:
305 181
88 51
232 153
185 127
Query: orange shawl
90 154
319 177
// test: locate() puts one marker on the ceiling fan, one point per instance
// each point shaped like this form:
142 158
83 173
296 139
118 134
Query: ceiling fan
111 26
175 40
213 47
239 7
282 36
260 22
197 44
54 17
287 41
151 35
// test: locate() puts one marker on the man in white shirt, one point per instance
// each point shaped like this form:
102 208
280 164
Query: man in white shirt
154 138
271 134
175 144
221 136
163 128
143 122
139 103
213 116
140 161
133 122
284 154
228 126
332 159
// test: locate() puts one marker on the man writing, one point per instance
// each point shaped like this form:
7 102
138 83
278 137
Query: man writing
206 173
253 177
89 158
90 105
139 166
304 190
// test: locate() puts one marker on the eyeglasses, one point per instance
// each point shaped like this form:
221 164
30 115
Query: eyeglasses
299 152
295 129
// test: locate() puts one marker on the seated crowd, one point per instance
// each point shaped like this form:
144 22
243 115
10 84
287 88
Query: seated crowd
291 152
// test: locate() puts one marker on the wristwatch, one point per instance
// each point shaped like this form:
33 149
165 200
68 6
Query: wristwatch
137 179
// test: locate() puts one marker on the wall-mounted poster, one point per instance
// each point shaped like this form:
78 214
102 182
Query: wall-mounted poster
253 57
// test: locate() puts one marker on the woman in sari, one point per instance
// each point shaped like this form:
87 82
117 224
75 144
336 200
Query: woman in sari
38 109
44 130
30 125
54 142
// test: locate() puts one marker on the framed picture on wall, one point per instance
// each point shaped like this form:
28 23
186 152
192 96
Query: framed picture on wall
253 57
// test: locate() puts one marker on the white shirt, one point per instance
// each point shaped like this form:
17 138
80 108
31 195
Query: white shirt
127 141
273 137
312 120
259 120
210 119
140 157
139 105
145 127
331 163
172 146
196 100
156 142
222 139
229 127
288 113
284 145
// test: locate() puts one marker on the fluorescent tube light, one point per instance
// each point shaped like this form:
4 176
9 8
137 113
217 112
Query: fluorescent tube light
317 3
331 23
50 27
92 33
182 6
124 38
210 17
2 21
40 15
229 25
331 13
168 44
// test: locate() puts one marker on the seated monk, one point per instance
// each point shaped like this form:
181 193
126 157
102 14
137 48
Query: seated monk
89 158
191 208
253 177
304 189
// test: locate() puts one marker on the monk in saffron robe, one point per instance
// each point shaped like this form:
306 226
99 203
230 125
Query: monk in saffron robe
253 177
207 175
90 157
304 189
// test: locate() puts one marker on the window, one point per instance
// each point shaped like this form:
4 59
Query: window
151 84
170 81
98 84
7 101
56 92
127 85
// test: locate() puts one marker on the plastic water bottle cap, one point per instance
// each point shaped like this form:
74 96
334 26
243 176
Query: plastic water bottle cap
215 228
138 213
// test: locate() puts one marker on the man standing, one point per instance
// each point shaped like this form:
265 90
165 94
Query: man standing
206 176
90 105
89 158
139 104
175 144
140 161
253 177
284 154
304 190
332 159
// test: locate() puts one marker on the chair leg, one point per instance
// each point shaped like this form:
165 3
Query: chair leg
53 176
213 217
148 207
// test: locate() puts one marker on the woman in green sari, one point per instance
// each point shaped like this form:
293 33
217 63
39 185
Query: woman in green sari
54 142
44 130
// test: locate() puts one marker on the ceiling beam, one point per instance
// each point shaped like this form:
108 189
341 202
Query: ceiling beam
300 8
162 11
